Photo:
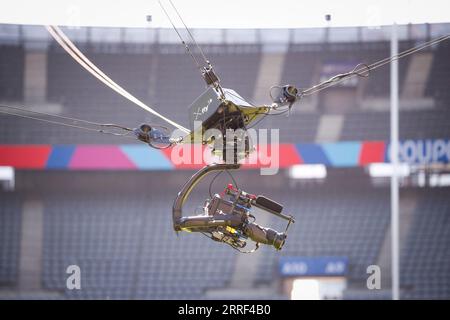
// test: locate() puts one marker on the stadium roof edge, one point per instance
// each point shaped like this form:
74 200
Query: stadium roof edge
33 33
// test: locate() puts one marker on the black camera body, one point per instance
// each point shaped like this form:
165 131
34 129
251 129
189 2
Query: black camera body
229 218
238 210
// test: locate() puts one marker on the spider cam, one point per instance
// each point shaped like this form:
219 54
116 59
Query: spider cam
228 218
220 118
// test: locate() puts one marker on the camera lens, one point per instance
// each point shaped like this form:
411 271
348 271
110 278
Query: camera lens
279 240
265 235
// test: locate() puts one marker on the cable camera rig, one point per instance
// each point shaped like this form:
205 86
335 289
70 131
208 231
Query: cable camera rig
219 118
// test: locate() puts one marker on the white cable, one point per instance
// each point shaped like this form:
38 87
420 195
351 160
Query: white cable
326 84
79 57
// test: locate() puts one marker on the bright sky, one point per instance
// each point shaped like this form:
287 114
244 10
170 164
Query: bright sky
226 13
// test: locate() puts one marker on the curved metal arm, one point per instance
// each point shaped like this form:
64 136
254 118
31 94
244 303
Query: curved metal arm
177 211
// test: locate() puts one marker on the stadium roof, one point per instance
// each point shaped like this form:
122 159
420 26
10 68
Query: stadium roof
226 14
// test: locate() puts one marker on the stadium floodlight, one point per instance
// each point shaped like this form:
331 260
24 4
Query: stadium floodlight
308 171
386 170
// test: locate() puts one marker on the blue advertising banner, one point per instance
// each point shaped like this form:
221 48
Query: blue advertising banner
313 266
423 152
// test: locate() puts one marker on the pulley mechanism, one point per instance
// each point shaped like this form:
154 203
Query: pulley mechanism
156 136
285 95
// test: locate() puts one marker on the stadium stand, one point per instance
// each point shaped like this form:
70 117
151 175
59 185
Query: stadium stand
11 72
425 256
304 63
126 248
330 222
121 235
164 77
85 97
10 209
414 124
438 86
127 253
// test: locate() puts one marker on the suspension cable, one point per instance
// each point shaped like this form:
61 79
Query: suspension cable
363 70
205 71
186 46
67 121
79 57
189 33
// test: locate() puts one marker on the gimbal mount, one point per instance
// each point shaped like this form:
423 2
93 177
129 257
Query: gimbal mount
229 220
